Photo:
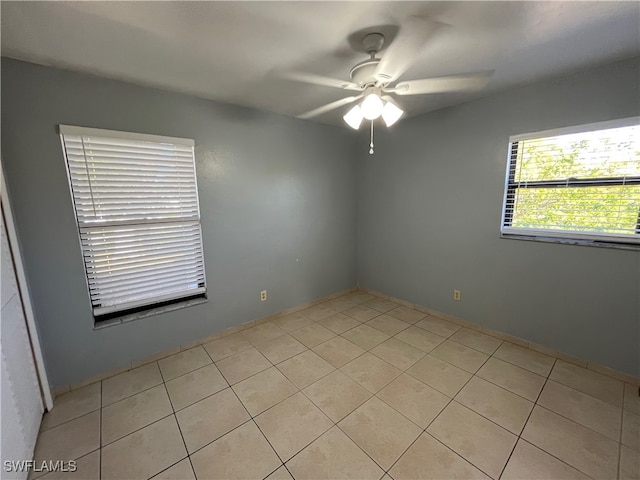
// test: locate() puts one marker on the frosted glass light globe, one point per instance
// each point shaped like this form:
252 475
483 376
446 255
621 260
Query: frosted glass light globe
391 113
371 107
353 118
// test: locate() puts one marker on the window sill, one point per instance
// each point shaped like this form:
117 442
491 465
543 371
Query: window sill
149 313
573 241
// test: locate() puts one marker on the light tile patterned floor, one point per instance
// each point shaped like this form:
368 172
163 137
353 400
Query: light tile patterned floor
357 387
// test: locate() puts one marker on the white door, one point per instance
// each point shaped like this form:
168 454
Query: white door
21 400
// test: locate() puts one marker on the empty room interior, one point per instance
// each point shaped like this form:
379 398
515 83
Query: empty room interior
320 240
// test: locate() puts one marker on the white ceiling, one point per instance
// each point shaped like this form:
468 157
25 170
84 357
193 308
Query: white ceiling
228 51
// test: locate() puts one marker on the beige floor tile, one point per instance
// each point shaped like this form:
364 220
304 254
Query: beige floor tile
387 324
381 305
226 346
280 473
333 456
292 322
340 304
72 405
194 386
476 340
420 338
440 375
339 323
305 368
497 404
211 418
264 390
69 440
261 333
180 471
359 297
415 400
429 459
462 357
145 452
338 351
241 454
580 447
292 425
242 365
528 462
183 362
361 313
129 383
476 439
438 326
629 464
313 335
589 411
631 430
397 353
632 398
526 358
380 431
337 395
365 337
280 348
128 415
371 372
406 314
513 378
595 384
87 468
318 312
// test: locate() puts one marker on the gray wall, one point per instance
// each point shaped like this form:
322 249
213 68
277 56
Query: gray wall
277 200
280 211
429 212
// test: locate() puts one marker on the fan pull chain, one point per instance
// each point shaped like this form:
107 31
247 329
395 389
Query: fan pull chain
371 144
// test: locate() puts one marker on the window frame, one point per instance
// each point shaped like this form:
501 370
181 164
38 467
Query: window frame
160 303
610 240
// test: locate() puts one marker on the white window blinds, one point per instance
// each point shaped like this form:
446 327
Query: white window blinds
136 203
577 183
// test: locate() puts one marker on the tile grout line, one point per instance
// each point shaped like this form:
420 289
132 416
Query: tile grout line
524 425
175 418
251 417
451 399
562 416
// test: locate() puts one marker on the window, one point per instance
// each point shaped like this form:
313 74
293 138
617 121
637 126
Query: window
136 205
579 184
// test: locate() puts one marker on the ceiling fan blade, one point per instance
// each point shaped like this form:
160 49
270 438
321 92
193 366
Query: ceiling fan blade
329 106
453 83
405 47
314 79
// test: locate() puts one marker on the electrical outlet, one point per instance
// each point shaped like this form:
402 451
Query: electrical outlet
263 296
456 295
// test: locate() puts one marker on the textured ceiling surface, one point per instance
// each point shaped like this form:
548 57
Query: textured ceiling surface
229 51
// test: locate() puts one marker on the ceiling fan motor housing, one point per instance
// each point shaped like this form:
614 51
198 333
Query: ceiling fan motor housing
363 73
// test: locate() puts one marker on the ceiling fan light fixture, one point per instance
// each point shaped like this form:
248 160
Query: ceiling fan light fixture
354 117
371 106
391 113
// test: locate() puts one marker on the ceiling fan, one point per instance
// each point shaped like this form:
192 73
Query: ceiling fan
375 78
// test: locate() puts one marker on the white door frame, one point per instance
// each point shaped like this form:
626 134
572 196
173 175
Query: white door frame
36 348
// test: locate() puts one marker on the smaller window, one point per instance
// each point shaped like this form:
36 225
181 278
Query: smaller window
577 184
138 216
